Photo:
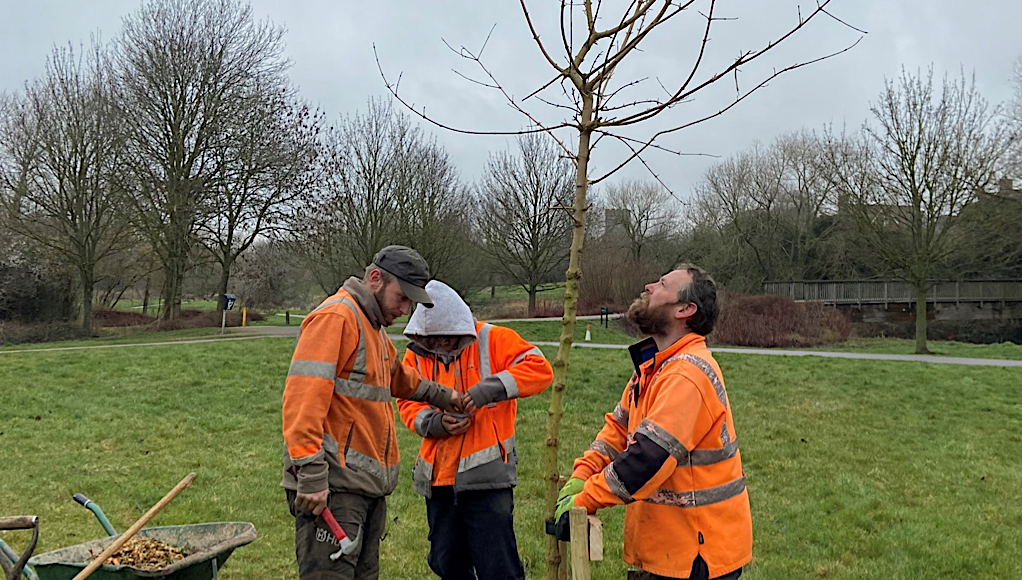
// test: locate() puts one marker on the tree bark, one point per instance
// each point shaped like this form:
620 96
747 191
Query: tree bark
921 319
556 562
532 301
225 278
88 293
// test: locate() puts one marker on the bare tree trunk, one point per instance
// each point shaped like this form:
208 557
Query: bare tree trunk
88 293
145 298
225 278
556 562
921 319
532 301
175 272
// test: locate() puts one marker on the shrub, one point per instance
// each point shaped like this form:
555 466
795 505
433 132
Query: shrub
777 321
24 333
974 331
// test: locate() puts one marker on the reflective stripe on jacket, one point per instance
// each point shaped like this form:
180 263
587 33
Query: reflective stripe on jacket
338 423
506 367
669 451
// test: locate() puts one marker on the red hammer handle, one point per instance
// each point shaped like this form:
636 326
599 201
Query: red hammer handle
333 525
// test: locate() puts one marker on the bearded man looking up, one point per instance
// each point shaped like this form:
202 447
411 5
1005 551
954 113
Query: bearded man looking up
669 450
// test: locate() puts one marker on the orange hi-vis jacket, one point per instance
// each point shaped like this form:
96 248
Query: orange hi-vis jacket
339 428
669 451
497 369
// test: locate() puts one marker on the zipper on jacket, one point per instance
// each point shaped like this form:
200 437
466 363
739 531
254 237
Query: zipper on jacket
500 444
347 444
386 456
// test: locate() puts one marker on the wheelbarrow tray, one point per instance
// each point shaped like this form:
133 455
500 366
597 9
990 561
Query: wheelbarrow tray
209 546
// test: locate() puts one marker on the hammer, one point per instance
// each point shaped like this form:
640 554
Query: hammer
347 544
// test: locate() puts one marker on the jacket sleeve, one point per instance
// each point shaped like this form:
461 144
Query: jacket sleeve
524 371
660 443
407 383
325 343
421 418
610 441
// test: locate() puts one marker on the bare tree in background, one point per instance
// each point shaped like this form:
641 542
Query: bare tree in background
265 166
61 143
381 182
522 238
778 201
905 179
643 213
186 71
594 92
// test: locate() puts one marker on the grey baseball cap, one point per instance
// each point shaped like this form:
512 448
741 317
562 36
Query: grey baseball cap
409 268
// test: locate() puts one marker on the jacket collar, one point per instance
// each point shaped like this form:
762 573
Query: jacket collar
366 301
645 355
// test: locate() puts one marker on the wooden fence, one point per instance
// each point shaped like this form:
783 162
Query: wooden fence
894 292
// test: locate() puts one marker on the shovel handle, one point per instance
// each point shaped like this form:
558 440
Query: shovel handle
331 523
120 541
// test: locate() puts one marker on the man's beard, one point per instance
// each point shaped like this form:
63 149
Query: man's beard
646 320
380 300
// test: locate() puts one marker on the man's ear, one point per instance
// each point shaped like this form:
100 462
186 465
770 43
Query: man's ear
687 312
374 280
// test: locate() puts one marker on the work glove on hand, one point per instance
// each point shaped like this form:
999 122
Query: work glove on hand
571 487
562 527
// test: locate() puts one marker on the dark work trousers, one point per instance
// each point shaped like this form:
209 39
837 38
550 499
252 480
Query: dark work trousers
472 535
363 520
699 572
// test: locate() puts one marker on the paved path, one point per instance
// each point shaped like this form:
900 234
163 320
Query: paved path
988 362
254 332
249 336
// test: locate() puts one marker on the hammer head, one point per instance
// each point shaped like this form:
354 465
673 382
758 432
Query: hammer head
347 545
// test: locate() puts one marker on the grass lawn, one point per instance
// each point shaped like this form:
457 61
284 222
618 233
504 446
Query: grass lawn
856 469
1004 350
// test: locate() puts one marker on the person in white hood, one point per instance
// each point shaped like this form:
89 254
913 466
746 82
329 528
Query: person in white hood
466 468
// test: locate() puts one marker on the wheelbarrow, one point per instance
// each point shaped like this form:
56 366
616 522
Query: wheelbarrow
209 545
11 564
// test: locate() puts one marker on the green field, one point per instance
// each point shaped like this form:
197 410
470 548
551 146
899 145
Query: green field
856 469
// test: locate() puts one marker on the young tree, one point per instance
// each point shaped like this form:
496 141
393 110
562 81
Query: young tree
523 228
905 179
186 71
62 144
593 83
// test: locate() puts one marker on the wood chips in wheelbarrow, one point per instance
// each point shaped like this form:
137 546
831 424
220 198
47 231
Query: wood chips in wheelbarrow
145 554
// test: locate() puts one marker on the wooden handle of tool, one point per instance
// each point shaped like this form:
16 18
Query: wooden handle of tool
95 564
18 523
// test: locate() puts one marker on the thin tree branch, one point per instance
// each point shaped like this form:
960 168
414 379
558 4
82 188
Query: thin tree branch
722 111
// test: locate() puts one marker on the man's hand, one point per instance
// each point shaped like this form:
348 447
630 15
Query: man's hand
571 487
455 425
468 404
314 503
562 528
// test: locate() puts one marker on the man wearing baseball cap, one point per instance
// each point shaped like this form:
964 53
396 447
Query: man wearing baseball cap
340 446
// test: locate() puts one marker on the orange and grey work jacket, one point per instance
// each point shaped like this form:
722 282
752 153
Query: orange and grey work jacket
339 428
506 368
669 451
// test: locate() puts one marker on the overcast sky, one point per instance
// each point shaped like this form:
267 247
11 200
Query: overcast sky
330 43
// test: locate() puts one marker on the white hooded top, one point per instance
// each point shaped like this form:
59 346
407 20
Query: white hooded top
450 316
